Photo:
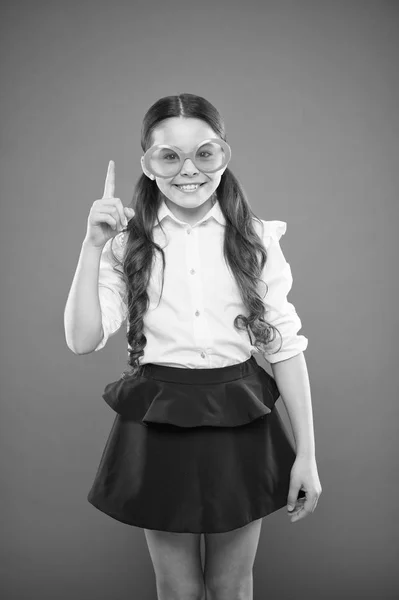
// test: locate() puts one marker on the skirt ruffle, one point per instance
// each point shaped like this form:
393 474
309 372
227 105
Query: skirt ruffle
225 404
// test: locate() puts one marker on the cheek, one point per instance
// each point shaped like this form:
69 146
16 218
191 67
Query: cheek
165 188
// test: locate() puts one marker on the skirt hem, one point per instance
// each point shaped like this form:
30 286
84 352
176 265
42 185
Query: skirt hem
278 503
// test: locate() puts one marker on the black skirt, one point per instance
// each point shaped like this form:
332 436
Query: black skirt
194 450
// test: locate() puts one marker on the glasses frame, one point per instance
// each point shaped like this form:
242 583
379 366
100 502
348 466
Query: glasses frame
183 156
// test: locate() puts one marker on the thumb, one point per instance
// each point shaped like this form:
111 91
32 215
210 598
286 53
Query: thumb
292 498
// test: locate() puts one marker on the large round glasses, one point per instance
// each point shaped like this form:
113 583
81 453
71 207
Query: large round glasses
208 156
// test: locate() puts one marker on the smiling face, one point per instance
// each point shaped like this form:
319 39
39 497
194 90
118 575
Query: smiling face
186 134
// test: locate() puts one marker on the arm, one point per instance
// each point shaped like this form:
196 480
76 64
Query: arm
292 380
96 307
288 364
82 315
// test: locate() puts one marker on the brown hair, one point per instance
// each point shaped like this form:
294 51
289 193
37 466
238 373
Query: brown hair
242 244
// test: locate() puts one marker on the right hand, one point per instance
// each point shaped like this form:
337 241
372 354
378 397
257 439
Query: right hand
107 216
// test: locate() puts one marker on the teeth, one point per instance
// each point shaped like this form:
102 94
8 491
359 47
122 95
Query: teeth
188 187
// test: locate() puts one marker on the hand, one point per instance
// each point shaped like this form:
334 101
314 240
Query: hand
303 476
107 216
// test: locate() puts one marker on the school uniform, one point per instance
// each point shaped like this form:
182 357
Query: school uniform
197 444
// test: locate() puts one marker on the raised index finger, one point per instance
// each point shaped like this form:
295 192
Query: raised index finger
109 188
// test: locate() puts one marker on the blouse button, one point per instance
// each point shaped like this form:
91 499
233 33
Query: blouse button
188 231
203 354
192 271
197 313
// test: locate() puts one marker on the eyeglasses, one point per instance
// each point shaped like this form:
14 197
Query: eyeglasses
208 156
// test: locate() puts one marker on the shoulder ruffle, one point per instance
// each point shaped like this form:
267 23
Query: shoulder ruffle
270 229
229 404
274 229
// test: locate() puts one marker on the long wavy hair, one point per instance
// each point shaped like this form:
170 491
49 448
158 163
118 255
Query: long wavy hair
243 248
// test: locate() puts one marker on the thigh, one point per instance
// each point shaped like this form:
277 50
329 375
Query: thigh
229 557
176 558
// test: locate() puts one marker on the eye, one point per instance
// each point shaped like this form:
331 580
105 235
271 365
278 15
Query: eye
168 155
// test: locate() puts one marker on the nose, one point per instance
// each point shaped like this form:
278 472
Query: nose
189 167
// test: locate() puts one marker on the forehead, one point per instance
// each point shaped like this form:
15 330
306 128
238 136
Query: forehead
184 133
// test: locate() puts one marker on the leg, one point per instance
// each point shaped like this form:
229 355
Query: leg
176 558
229 560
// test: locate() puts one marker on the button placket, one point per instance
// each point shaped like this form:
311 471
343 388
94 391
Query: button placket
200 324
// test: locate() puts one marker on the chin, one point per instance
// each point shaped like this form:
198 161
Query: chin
180 197
189 204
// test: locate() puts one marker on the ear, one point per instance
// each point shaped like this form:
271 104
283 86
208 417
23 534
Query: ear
150 175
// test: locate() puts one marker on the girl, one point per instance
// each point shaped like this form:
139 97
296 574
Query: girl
197 445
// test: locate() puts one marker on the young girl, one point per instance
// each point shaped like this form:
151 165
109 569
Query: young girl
197 445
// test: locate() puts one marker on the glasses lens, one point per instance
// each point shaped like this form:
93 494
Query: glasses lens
210 156
166 162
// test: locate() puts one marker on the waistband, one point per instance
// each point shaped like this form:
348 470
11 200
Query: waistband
198 376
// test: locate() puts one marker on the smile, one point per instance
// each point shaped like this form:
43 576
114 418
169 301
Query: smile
189 187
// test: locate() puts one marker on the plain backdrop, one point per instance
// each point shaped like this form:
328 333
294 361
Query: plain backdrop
309 93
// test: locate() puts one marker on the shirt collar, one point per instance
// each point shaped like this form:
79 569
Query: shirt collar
215 212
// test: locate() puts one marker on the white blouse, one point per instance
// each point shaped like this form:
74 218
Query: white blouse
192 326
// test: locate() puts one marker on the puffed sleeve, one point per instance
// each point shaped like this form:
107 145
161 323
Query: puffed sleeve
279 311
111 290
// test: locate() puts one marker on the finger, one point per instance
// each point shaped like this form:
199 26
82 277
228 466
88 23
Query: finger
121 212
129 212
298 516
109 187
297 509
301 511
109 219
298 513
313 502
116 208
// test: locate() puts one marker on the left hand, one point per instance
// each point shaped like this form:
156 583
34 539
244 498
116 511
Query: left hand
303 476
